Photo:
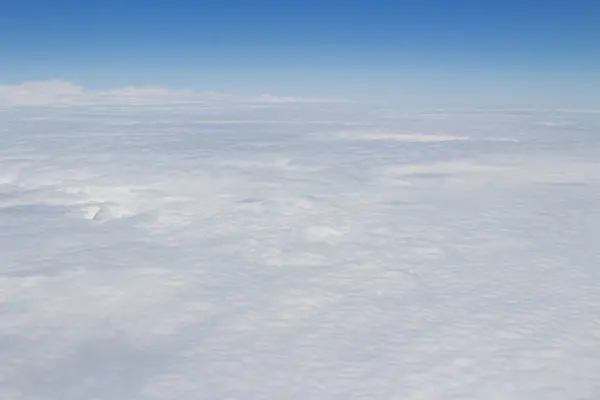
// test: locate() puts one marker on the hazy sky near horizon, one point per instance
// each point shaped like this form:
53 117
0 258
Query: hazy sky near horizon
431 51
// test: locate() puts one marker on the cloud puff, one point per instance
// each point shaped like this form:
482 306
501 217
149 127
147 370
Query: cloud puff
270 98
60 92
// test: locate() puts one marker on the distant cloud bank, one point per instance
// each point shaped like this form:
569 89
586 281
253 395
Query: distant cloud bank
61 92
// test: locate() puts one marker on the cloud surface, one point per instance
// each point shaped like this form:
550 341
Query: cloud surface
231 252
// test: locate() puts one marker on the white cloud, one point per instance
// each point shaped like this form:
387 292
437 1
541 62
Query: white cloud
398 137
41 93
60 92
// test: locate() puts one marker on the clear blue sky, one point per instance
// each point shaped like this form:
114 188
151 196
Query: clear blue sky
430 50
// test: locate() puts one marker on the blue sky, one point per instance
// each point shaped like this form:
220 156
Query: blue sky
421 50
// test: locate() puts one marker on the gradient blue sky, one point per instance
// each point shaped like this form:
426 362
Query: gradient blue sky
438 51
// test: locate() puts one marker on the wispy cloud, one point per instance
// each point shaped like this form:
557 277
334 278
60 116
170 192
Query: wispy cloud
398 137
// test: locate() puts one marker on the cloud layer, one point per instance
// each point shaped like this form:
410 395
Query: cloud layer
293 252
